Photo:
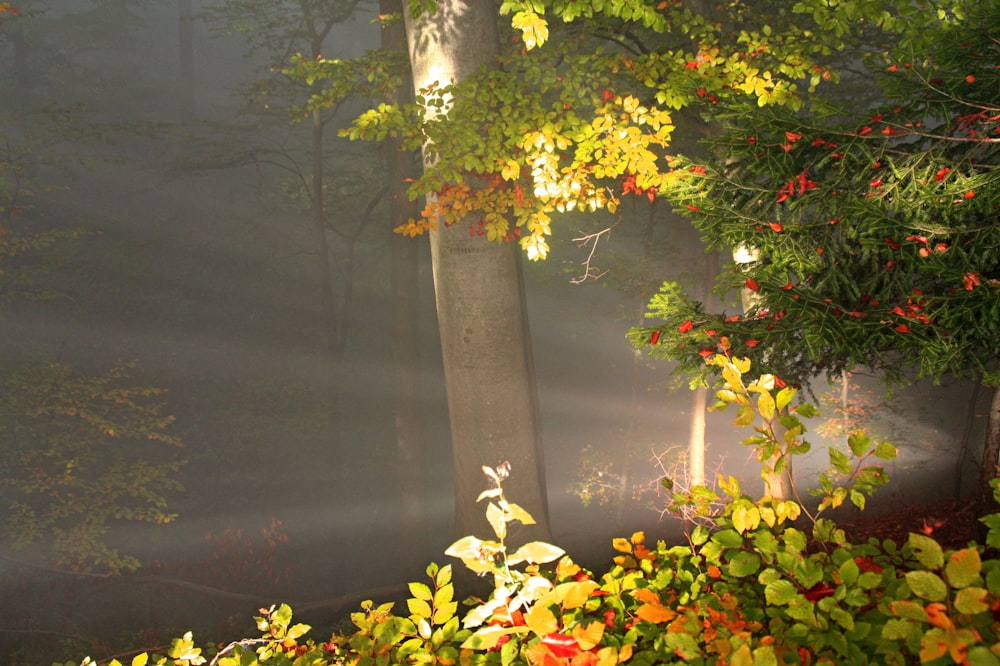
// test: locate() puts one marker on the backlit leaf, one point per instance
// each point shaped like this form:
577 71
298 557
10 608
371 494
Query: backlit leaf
927 551
656 613
963 567
536 552
927 585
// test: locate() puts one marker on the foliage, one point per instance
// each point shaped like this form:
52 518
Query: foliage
82 453
754 588
873 236
579 117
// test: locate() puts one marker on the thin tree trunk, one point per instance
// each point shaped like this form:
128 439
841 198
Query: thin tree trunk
405 296
325 270
991 454
964 445
777 485
482 318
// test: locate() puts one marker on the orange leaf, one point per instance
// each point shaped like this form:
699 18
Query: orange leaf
656 613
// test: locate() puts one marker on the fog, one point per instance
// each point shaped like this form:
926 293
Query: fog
200 274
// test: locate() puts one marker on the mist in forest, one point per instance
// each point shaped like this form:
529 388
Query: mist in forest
144 130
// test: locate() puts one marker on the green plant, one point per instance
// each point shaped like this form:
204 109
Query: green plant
752 588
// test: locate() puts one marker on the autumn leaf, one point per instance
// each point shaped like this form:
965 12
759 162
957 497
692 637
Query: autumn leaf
655 613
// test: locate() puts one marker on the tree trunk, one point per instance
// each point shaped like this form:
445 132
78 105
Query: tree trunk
324 266
479 293
991 454
776 485
404 296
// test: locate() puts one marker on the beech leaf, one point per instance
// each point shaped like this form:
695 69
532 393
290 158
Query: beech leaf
536 552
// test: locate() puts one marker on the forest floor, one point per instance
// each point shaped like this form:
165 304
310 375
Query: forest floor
952 523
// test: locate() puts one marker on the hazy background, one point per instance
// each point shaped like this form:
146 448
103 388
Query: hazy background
198 271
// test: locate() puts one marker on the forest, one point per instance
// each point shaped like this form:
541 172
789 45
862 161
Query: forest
546 332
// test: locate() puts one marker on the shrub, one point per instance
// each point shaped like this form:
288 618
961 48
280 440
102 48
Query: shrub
767 583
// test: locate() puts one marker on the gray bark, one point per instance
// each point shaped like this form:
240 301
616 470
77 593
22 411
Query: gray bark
479 293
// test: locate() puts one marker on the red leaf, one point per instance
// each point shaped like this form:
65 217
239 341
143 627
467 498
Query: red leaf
654 338
792 137
818 591
865 130
705 352
867 564
903 328
686 326
561 645
607 95
752 342
971 280
752 285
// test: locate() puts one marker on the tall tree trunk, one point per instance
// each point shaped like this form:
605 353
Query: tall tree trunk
479 293
402 166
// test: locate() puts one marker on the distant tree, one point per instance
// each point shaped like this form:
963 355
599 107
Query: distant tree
874 237
80 455
302 148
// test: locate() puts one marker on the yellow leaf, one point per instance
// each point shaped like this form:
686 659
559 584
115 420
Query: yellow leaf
590 636
541 620
576 593
511 170
621 545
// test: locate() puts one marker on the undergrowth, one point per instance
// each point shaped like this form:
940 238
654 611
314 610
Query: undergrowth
758 583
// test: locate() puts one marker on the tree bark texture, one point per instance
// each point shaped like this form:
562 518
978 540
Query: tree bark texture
479 293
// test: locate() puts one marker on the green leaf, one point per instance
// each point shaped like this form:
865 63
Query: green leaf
971 600
927 585
885 451
840 462
927 551
963 567
728 538
780 592
744 564
849 572
980 655
897 630
859 444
